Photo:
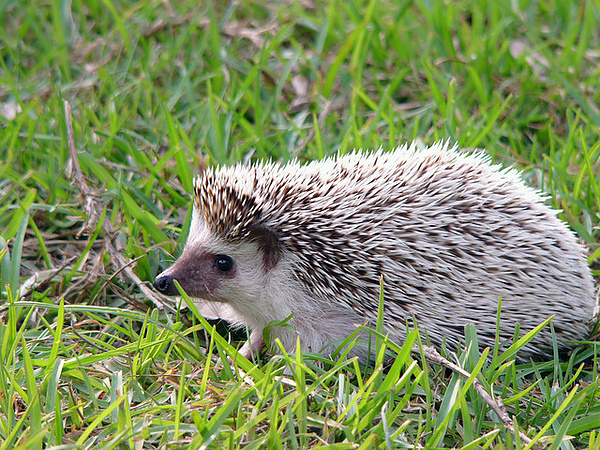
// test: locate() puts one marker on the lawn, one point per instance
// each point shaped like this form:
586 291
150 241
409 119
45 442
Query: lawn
109 108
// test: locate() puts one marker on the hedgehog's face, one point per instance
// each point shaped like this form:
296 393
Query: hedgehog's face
213 269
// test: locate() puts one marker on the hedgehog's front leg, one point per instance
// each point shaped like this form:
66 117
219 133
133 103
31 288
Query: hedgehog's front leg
253 345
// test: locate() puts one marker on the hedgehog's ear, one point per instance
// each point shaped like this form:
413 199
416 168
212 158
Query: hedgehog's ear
202 164
268 243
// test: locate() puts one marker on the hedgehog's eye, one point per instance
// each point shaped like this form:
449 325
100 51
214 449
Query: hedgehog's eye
224 263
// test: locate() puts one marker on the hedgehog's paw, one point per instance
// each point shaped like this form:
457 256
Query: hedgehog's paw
253 346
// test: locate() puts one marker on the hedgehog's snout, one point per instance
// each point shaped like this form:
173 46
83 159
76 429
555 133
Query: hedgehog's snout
165 285
199 273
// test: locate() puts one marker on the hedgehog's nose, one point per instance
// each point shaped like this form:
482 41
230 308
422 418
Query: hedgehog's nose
164 284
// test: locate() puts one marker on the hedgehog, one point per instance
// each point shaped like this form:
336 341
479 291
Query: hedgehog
450 233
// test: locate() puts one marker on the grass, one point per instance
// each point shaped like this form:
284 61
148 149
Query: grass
158 88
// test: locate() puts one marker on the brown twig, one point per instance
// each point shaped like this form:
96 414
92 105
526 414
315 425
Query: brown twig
90 202
432 356
93 205
311 134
